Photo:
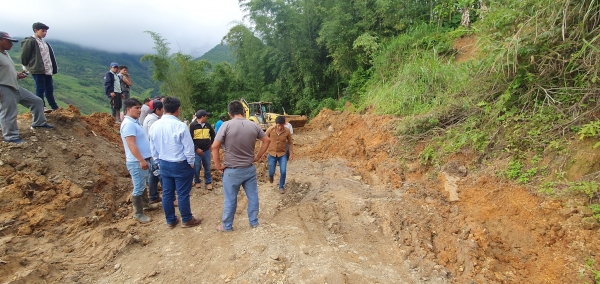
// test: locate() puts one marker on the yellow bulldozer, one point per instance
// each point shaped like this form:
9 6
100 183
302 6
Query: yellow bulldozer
262 113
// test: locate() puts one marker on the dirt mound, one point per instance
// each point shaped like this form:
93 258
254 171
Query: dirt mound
474 225
55 188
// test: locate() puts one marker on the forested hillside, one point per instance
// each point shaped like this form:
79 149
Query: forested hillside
218 54
79 80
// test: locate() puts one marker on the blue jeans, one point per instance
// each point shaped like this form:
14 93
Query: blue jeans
233 178
176 177
138 176
153 182
202 162
45 86
282 168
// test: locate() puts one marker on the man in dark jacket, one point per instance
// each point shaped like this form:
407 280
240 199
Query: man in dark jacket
38 58
112 90
203 135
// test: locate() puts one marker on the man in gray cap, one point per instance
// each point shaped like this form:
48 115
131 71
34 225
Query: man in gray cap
38 58
112 90
11 94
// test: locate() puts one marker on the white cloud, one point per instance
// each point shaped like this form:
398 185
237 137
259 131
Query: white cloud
191 26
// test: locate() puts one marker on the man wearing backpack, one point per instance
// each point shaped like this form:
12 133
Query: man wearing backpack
38 58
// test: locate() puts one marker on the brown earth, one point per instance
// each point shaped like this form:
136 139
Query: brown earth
359 208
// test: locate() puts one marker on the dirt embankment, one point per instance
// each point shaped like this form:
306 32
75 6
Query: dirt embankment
359 208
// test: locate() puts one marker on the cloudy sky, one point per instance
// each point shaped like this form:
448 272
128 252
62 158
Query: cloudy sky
190 26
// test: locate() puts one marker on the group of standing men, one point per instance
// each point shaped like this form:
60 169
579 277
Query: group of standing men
37 59
117 83
177 152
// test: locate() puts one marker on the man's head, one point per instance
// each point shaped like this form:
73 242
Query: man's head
114 67
172 105
222 118
133 107
202 116
235 108
40 30
123 69
280 122
146 101
6 42
156 107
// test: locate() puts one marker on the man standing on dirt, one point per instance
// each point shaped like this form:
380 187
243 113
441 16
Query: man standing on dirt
112 90
138 156
156 110
38 58
281 141
173 148
203 135
238 137
11 95
125 85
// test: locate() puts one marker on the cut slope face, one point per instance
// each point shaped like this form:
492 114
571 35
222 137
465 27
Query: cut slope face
358 208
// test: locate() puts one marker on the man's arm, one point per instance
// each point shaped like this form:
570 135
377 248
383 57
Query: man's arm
263 147
214 151
126 80
136 152
26 52
291 146
188 145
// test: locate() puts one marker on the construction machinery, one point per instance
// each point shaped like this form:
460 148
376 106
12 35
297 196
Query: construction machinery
262 113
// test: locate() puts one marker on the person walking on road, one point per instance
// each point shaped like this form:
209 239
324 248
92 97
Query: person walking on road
12 94
238 137
281 142
173 148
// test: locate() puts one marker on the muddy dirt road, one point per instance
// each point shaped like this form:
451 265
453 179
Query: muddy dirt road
359 208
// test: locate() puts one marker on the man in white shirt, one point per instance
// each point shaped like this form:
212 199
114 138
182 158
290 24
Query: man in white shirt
156 110
173 148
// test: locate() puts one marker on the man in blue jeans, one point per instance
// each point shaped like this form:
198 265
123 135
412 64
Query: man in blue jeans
38 58
137 153
173 148
203 135
281 142
238 137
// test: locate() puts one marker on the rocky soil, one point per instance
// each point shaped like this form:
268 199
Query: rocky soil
359 208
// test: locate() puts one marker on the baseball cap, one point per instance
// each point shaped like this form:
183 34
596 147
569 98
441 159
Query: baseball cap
155 104
5 35
202 113
114 64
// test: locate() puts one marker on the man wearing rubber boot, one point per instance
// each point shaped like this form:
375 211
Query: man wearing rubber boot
137 153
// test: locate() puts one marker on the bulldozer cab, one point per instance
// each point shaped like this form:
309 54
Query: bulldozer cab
263 114
258 112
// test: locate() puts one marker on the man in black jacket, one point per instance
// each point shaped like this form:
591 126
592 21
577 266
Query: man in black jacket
112 90
38 58
203 135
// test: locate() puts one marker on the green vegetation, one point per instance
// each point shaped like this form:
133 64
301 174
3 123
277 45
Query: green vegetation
218 54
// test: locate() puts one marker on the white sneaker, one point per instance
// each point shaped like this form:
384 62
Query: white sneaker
47 110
